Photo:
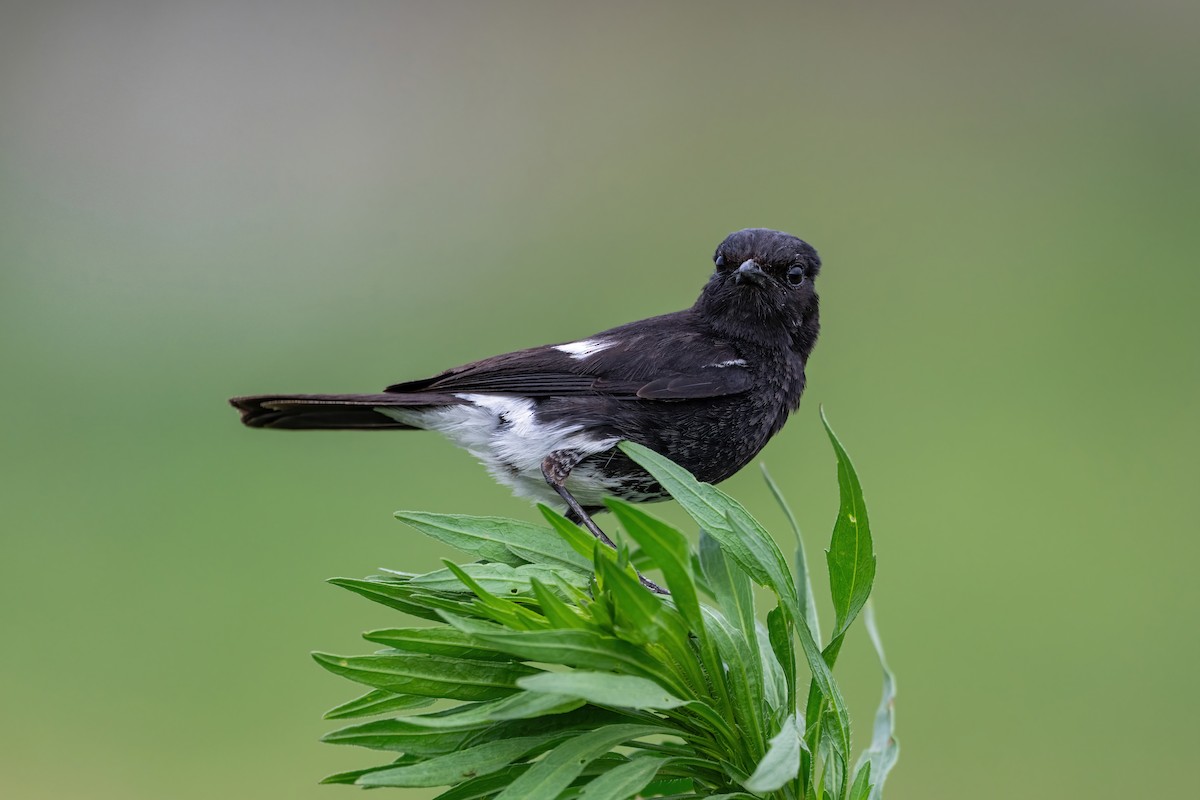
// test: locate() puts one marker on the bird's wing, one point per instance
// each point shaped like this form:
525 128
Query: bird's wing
664 358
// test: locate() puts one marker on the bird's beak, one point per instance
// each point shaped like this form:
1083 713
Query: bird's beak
749 271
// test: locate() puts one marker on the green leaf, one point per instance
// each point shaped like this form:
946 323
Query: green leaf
884 750
393 593
403 736
494 607
377 702
547 778
783 645
821 673
782 761
669 550
624 781
851 557
862 783
737 677
706 504
734 630
550 550
555 610
603 688
774 684
808 602
523 714
730 585
451 768
429 675
765 557
443 641
500 579
484 537
354 774
745 541
670 786
522 705
485 786
582 649
833 779
641 617
725 519
582 543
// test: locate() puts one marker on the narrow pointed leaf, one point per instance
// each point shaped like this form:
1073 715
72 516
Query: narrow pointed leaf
624 781
603 688
669 786
851 556
744 540
443 641
485 786
862 783
782 761
883 751
524 714
555 610
550 550
429 675
669 550
547 778
639 617
742 537
740 677
484 537
522 705
506 541
394 594
774 684
500 579
821 672
783 644
377 702
576 538
353 775
808 602
582 649
729 584
451 768
402 736
499 609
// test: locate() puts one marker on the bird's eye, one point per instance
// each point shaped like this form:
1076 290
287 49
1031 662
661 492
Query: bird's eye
719 261
796 276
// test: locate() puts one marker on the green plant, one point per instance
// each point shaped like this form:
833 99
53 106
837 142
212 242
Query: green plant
557 675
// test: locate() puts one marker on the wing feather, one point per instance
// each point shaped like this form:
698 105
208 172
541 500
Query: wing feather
663 358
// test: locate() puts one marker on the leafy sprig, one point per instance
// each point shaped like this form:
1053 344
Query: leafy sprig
552 673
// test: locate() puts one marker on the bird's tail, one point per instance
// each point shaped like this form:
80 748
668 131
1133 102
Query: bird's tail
333 411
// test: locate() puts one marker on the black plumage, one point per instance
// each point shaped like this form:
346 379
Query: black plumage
707 387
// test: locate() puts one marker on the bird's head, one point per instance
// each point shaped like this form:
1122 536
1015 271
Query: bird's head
763 288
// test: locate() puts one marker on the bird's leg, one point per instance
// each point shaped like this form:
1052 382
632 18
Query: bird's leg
556 467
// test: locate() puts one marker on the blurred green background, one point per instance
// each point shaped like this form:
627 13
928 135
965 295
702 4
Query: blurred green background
206 199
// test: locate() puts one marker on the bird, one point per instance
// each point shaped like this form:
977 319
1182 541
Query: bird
706 387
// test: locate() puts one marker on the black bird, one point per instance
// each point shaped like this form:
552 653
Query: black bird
706 387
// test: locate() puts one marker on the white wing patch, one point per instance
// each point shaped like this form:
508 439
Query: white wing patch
733 362
584 348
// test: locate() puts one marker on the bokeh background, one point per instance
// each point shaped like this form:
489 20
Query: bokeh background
206 199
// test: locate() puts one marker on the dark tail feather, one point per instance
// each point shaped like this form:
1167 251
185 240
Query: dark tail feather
331 411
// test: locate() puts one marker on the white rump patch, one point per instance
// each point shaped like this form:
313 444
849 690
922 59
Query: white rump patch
503 432
583 349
